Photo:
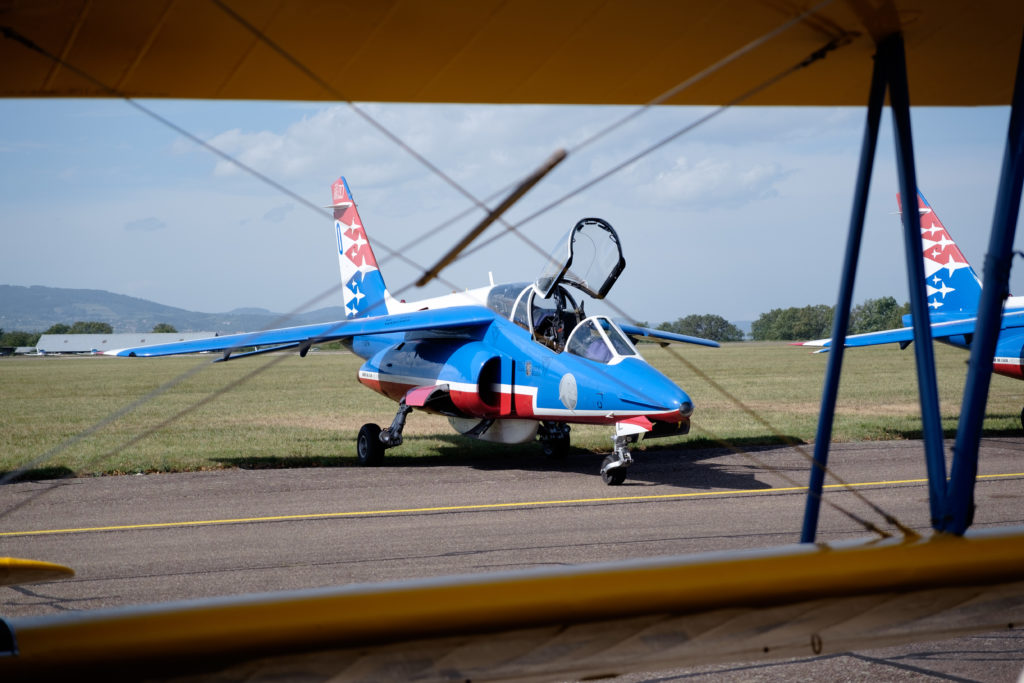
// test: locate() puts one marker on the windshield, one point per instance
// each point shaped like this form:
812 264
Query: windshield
599 339
589 258
502 298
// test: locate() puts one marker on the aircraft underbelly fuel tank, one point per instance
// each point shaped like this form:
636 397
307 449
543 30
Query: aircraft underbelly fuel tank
496 431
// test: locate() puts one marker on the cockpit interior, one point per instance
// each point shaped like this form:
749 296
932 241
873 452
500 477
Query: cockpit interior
589 259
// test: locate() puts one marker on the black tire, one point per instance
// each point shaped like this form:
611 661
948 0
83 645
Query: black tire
614 476
556 448
369 449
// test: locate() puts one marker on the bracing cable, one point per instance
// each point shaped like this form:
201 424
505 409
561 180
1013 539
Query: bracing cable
817 55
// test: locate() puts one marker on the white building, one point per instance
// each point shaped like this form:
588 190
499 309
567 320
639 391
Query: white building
94 343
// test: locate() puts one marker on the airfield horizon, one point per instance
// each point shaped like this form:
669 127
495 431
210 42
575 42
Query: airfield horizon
305 412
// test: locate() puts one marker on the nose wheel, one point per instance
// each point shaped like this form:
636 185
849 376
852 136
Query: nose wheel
613 472
614 466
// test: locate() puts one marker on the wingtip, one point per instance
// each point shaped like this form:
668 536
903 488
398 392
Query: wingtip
15 570
822 345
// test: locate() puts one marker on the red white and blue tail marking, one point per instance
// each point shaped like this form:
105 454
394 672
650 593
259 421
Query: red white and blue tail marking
363 285
952 285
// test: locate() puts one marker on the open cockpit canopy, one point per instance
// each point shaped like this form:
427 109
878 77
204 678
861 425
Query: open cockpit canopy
589 258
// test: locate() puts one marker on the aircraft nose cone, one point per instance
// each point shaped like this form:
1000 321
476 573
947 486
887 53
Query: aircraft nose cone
673 399
686 407
682 403
661 398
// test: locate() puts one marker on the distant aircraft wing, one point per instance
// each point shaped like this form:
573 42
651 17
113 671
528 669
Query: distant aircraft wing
290 337
905 335
635 331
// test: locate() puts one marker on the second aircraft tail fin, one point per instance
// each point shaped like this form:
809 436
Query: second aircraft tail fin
951 283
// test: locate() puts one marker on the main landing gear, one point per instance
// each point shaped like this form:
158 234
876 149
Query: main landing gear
373 441
553 436
554 439
613 469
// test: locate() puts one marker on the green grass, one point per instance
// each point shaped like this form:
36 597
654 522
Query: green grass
306 412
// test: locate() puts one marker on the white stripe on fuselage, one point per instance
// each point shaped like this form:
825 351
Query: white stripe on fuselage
519 390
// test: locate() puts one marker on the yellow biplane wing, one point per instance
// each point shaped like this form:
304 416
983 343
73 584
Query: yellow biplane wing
502 51
569 622
15 571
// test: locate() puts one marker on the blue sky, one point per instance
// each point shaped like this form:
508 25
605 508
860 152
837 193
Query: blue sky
746 213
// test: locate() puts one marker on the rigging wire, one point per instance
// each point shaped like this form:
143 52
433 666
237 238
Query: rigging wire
622 121
704 73
817 55
789 441
10 33
384 130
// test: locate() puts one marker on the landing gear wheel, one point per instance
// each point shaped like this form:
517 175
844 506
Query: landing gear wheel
554 439
557 448
369 449
1022 418
612 473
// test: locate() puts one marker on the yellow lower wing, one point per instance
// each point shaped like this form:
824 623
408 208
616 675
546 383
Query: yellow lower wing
590 620
14 570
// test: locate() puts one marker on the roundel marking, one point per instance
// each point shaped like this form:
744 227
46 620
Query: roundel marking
567 391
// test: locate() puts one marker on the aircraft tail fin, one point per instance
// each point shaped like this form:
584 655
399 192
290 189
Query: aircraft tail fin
363 286
951 283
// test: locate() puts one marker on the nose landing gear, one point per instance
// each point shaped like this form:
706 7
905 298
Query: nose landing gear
614 466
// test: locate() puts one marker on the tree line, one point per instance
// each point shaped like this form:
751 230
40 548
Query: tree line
794 324
778 324
815 322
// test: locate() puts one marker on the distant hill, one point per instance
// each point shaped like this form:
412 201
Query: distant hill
35 309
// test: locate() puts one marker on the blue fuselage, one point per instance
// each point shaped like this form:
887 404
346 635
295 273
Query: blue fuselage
501 372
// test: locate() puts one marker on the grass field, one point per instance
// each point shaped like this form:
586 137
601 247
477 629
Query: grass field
292 412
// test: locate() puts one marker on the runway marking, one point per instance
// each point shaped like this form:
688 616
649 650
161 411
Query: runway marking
461 508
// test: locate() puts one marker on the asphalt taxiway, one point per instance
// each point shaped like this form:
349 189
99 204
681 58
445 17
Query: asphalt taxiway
154 538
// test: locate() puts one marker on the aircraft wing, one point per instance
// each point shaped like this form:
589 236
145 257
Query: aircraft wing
635 331
291 337
905 335
552 623
15 571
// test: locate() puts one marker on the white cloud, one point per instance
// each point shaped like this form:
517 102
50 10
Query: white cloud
709 181
743 214
279 213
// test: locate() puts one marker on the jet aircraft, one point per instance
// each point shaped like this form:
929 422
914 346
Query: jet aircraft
250 51
505 363
953 290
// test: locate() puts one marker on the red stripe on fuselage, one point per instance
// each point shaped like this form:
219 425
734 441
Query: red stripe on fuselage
524 405
1009 370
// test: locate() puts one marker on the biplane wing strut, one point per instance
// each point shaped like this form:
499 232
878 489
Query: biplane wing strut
952 504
